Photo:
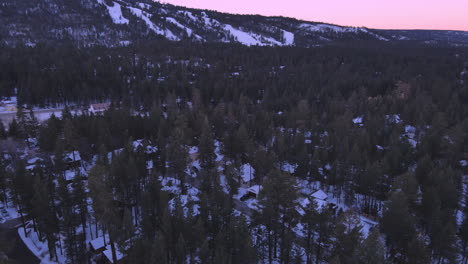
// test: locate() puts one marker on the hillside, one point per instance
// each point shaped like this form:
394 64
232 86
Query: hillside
116 23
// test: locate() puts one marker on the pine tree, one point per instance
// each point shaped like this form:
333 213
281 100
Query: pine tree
371 250
397 224
277 200
3 133
417 251
207 154
347 236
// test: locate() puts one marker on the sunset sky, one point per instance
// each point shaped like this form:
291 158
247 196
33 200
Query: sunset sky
385 14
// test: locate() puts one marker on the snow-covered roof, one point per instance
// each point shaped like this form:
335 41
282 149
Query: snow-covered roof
320 195
247 172
108 254
73 156
98 243
255 189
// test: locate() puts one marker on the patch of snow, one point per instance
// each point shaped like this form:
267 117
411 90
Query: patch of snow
247 173
288 38
393 119
219 156
188 30
463 163
241 36
115 11
410 129
358 120
189 14
193 150
290 168
38 248
147 18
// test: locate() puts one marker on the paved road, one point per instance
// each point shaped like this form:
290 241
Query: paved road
14 247
41 115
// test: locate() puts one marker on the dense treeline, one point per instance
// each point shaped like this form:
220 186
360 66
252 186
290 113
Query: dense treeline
386 127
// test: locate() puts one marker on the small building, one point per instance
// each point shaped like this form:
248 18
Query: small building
71 160
253 191
108 255
319 195
98 245
98 108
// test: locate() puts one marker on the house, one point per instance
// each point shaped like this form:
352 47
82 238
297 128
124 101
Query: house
253 191
319 195
320 198
98 245
108 255
98 108
71 160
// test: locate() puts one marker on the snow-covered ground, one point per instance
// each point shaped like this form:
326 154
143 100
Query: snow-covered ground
39 248
115 12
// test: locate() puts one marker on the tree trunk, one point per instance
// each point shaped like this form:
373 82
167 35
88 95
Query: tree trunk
23 221
112 244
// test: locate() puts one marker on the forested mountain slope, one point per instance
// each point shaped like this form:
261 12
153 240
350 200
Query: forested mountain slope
120 22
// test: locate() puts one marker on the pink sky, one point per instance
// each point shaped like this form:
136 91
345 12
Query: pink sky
393 14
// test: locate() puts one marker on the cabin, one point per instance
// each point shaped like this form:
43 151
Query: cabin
98 245
71 160
107 254
253 191
98 108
